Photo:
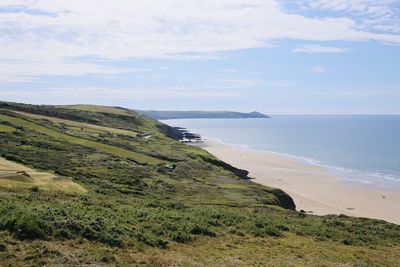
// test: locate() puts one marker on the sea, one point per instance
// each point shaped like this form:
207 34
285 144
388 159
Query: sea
363 149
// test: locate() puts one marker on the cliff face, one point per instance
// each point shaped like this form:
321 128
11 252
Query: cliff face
242 174
172 132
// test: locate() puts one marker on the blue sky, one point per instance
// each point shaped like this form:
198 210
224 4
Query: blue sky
274 56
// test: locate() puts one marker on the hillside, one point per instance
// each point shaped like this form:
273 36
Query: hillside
168 115
92 185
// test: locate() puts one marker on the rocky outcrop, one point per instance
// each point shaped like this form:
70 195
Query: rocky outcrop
242 174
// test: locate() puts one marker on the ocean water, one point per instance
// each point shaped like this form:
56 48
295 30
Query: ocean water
363 149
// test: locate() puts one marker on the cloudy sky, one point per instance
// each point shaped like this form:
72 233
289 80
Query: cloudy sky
274 56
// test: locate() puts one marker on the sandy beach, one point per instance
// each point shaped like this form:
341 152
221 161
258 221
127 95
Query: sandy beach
314 189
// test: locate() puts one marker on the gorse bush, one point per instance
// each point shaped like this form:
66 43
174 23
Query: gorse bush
158 224
23 223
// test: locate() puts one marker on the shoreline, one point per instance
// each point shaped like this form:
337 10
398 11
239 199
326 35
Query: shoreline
314 189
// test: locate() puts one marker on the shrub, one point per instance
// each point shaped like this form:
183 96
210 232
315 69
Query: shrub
25 224
199 230
176 205
108 259
151 240
182 237
347 242
35 189
267 231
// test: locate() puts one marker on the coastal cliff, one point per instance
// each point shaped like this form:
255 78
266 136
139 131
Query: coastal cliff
120 187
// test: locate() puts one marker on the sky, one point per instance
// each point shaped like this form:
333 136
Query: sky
273 56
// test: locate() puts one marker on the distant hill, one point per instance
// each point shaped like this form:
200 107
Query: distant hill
168 115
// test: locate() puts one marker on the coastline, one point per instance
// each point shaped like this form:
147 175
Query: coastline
313 188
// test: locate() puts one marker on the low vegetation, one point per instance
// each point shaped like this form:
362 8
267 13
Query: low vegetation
79 141
6 129
102 109
80 125
154 202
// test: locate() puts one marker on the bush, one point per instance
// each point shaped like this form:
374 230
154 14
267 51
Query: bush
108 259
151 240
199 230
347 242
260 227
182 237
176 205
35 189
24 224
14 158
267 231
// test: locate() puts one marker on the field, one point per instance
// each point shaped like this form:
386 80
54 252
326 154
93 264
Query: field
143 159
153 202
80 124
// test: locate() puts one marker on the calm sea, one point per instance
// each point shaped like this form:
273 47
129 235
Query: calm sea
363 149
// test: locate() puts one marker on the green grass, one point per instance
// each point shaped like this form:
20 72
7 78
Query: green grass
143 159
103 109
189 211
6 129
79 124
227 251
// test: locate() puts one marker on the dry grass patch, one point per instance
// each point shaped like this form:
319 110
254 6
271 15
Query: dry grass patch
17 175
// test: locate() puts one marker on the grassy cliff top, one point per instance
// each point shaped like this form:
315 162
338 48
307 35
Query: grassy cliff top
149 200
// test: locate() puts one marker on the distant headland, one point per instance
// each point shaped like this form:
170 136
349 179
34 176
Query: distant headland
169 115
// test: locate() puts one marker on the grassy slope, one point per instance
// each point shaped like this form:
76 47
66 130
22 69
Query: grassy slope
182 211
94 108
80 141
79 124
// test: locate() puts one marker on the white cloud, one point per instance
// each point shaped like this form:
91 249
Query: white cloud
63 95
124 28
17 71
377 7
378 15
53 31
312 49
